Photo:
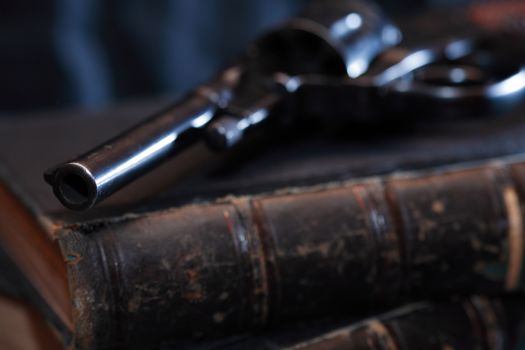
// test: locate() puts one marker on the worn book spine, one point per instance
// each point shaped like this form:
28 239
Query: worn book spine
476 324
244 263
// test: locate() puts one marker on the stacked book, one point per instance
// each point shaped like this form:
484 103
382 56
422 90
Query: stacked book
364 238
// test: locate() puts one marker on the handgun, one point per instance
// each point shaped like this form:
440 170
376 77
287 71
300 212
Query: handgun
340 59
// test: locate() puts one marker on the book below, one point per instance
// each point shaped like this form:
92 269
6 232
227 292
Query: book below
314 228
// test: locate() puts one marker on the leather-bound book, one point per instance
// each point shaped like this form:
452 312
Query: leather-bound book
317 226
472 324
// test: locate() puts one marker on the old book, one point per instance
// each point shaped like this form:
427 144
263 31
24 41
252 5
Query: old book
144 269
472 324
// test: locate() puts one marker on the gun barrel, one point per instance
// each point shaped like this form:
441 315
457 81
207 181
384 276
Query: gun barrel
346 35
84 181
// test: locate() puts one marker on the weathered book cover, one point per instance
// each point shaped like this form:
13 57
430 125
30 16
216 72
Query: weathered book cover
474 323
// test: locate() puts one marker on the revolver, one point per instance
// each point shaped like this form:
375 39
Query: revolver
341 59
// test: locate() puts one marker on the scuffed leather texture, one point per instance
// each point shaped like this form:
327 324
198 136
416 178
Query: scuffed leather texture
246 263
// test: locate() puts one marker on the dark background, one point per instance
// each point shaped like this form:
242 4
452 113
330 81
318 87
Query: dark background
91 53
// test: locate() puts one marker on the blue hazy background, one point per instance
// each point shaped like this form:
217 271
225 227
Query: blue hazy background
92 53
